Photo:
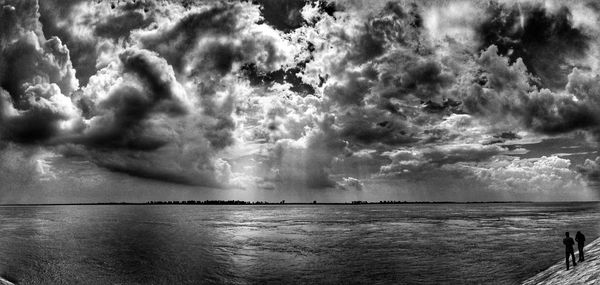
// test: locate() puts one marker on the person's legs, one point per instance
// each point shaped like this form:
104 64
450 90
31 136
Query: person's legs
567 259
581 258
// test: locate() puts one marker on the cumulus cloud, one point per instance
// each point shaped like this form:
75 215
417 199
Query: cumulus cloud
508 95
35 75
544 178
125 118
590 168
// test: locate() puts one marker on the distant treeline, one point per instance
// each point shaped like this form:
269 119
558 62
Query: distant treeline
239 202
214 202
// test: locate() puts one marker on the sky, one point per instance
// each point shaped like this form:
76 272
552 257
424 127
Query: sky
334 101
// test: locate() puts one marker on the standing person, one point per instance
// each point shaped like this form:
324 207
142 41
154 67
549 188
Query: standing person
580 238
568 241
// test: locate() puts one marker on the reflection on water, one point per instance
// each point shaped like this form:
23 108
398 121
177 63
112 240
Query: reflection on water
162 244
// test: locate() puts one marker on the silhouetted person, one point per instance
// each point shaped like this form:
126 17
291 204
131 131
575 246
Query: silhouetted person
580 238
568 241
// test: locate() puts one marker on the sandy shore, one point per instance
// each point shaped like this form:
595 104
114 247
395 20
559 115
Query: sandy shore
584 273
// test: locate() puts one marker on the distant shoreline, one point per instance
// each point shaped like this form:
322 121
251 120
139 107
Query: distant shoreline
261 203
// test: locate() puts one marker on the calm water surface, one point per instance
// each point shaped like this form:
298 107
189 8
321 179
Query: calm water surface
408 244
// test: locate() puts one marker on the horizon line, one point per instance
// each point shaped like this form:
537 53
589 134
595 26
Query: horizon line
259 203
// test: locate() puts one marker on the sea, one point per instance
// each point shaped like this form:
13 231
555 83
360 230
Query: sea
496 243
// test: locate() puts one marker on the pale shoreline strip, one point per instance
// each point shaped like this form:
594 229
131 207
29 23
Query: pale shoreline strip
586 272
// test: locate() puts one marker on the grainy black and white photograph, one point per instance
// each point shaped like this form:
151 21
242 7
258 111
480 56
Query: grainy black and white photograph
299 142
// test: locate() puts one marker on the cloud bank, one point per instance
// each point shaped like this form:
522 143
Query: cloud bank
304 94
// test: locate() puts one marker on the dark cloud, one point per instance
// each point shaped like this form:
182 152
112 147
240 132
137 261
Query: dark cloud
121 119
547 41
394 25
447 105
375 127
396 64
326 7
416 161
154 73
351 91
41 120
387 67
181 167
17 18
323 146
422 78
282 15
143 170
552 114
173 43
219 58
21 59
591 169
118 26
218 125
208 44
280 76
